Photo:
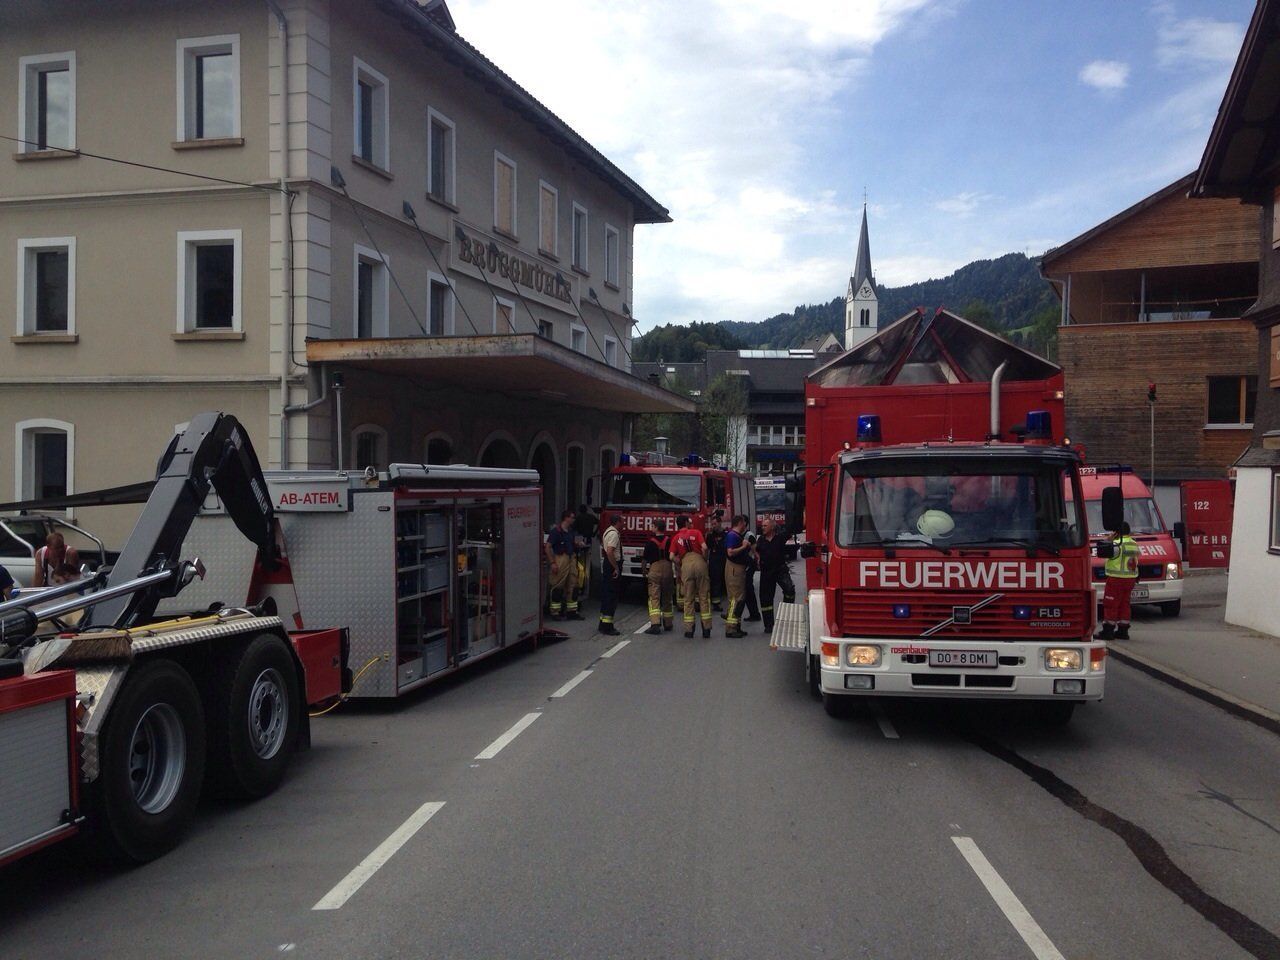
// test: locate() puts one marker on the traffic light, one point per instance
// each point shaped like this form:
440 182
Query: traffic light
1151 391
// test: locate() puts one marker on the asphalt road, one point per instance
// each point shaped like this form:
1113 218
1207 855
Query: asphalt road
689 799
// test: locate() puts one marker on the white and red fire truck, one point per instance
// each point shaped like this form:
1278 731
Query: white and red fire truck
947 554
645 488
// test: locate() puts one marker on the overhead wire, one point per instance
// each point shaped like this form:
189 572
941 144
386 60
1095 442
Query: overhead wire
412 217
622 341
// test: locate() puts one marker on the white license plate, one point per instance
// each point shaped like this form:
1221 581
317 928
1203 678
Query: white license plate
1140 593
964 658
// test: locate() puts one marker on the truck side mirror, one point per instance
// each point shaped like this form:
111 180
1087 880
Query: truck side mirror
1180 534
1112 508
808 550
794 512
1105 550
794 482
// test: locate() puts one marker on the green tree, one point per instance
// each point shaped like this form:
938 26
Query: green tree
978 312
680 429
723 420
1042 334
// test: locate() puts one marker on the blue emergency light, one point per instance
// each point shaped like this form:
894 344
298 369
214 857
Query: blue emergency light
1039 425
624 460
868 428
901 611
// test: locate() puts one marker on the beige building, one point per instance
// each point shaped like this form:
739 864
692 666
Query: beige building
152 271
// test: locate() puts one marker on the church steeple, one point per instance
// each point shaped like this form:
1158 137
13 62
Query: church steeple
862 301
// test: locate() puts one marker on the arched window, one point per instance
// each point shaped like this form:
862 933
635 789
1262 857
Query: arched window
368 446
575 470
45 459
499 450
438 449
866 318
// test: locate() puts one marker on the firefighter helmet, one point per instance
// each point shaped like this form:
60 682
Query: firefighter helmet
935 523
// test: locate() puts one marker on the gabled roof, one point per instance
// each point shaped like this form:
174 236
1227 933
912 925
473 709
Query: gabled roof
942 348
862 263
433 24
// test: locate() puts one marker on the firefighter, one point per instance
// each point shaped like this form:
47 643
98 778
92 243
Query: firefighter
689 554
610 574
771 549
658 577
559 549
737 548
1122 573
716 558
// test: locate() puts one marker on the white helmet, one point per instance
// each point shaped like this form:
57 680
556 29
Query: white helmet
935 523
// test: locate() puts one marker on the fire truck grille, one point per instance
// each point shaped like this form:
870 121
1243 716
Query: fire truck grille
1016 615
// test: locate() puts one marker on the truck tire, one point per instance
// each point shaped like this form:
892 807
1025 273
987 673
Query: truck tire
813 679
255 711
1053 713
1171 608
151 763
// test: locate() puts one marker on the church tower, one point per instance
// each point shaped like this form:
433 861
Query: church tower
861 302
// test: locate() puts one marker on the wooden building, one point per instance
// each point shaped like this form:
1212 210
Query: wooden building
1155 295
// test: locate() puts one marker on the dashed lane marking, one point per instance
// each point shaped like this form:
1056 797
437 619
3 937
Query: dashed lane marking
886 727
493 749
353 881
614 649
1007 901
564 691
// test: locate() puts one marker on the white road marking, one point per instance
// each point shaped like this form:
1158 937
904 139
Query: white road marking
370 865
493 749
563 691
643 627
1007 901
615 648
885 726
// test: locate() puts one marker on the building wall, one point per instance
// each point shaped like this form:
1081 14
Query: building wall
1107 368
1251 589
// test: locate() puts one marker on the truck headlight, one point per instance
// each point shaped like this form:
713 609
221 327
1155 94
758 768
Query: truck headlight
1059 659
862 655
1173 571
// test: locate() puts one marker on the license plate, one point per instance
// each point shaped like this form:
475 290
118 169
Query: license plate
964 658
1140 593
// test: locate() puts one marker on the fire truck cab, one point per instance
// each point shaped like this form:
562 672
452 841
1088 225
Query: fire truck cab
645 488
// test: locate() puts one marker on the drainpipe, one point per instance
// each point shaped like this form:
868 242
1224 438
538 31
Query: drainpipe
996 379
286 253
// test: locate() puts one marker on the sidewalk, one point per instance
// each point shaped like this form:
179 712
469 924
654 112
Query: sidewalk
1233 666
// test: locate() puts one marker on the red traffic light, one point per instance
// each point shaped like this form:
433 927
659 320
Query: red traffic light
1151 391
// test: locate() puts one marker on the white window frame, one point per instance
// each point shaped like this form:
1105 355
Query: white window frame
574 330
31 65
611 342
500 157
554 250
451 185
187 51
549 326
613 265
1273 534
187 242
361 69
575 497
381 326
510 305
24 432
450 303
586 237
381 434
26 278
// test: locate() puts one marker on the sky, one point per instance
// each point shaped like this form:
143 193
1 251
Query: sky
976 127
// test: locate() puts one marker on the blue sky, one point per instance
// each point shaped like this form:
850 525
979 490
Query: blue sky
977 127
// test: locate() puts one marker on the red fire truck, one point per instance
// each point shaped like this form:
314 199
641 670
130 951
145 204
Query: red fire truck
644 488
946 554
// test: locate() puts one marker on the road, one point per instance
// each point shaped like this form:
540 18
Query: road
687 798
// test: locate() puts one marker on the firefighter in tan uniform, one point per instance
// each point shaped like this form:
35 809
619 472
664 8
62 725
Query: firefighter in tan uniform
559 548
689 554
659 578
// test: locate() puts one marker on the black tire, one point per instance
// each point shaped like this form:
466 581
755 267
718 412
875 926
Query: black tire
1053 713
1171 608
840 706
813 680
151 763
255 713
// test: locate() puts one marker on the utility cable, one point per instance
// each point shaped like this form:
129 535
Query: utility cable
622 341
578 311
515 287
340 182
412 217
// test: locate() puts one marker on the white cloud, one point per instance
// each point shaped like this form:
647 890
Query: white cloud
711 106
963 204
1105 74
1195 41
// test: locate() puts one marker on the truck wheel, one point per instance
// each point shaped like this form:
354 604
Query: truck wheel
813 679
1053 713
152 762
1171 608
254 712
839 705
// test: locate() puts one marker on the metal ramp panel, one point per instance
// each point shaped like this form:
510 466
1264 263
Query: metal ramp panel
791 628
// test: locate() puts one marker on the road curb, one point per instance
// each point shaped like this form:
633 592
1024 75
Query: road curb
1261 716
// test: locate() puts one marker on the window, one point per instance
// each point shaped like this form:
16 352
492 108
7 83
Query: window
504 194
46 286
611 351
439 450
575 467
580 237
371 310
504 315
607 460
209 272
439 306
865 317
371 115
1232 401
368 447
209 88
1275 512
612 242
546 329
578 338
45 458
47 91
441 154
548 219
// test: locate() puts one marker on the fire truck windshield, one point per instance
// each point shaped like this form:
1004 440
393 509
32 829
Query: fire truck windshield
932 501
771 500
1141 515
671 490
